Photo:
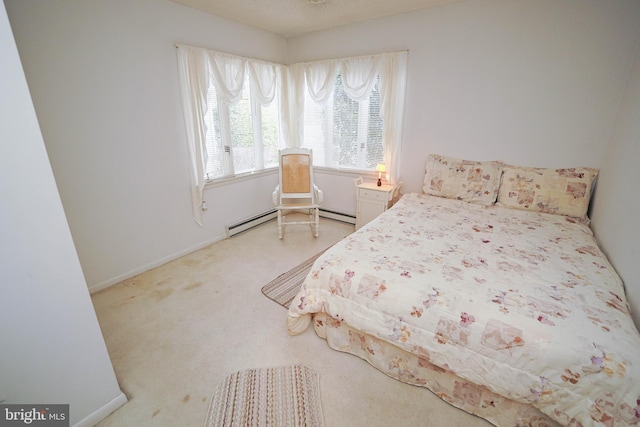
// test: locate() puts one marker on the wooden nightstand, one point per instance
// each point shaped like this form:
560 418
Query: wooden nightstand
372 200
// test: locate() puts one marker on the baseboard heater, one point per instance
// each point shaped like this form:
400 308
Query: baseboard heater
239 227
338 216
248 223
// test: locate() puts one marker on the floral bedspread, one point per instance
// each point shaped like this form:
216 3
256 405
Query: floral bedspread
523 303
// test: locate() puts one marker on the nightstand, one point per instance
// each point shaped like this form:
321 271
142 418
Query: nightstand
372 200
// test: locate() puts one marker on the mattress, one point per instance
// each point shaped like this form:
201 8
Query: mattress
522 304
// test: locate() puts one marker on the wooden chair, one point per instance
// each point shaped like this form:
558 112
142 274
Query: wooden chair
296 190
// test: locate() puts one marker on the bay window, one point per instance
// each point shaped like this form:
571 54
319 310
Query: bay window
239 112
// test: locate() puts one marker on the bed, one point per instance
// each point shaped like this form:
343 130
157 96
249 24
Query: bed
490 290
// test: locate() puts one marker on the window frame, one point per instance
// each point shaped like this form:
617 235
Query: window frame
257 134
363 127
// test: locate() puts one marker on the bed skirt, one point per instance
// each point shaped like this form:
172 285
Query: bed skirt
417 370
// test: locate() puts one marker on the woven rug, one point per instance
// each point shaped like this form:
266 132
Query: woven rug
286 396
284 288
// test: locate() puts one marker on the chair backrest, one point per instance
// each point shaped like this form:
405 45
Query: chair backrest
296 173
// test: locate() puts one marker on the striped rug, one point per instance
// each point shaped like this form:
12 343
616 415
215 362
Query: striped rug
284 288
286 396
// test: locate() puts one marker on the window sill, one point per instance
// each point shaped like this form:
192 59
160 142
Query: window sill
221 182
355 173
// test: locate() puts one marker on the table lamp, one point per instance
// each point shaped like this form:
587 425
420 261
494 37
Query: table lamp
380 168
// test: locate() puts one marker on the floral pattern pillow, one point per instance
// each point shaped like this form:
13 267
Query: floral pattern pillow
557 191
467 180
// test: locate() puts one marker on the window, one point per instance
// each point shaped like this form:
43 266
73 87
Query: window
241 137
344 133
231 113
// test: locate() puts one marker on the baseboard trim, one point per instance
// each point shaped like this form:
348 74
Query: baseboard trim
103 412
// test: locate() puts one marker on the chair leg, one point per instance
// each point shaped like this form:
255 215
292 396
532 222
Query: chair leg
317 223
280 225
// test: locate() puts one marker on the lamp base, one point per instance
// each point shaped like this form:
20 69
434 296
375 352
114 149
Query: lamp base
379 182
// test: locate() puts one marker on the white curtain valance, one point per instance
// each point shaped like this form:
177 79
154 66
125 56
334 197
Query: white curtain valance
359 76
227 72
320 77
264 79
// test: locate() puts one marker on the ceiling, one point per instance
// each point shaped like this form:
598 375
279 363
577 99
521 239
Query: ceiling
290 18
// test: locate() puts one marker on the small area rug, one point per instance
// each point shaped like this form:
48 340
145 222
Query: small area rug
284 288
283 396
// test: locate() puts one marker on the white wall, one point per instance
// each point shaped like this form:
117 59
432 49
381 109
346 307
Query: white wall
52 350
616 204
535 82
532 82
103 75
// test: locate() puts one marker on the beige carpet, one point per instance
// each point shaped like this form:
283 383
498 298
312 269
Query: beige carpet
285 287
175 331
280 396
